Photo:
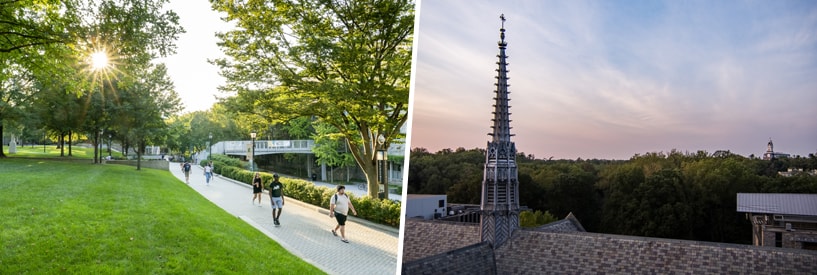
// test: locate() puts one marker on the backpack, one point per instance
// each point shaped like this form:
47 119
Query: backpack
187 167
336 197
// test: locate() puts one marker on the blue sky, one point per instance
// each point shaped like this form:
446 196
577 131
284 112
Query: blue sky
610 79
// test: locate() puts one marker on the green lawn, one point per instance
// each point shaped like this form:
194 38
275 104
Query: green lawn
51 151
76 217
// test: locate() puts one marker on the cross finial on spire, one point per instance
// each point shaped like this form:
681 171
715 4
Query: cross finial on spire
502 30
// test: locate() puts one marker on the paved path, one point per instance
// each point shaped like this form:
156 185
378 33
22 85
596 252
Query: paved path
304 229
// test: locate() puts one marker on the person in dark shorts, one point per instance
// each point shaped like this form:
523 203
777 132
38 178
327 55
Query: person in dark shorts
339 207
276 195
186 170
257 188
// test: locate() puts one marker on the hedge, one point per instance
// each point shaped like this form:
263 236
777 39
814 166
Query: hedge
375 210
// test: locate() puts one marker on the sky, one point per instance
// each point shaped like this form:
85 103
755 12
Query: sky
196 81
611 79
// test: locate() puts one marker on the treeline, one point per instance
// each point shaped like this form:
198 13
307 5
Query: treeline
669 195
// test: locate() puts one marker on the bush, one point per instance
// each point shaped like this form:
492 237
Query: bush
375 210
528 218
380 211
220 162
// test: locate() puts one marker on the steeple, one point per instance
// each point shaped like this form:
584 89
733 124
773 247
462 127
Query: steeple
502 123
500 186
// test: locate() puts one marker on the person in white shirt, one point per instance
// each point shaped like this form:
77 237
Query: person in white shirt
339 206
208 172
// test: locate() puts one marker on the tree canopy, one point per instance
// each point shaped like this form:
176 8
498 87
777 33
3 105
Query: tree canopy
347 63
47 44
49 48
670 195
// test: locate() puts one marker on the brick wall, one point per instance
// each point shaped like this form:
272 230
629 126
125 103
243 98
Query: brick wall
543 252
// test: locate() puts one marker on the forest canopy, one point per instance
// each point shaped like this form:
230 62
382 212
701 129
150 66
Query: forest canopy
671 194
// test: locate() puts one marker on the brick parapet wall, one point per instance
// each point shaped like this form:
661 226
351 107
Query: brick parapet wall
546 252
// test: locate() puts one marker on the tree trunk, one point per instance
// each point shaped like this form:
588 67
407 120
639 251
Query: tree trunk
139 155
371 179
2 154
70 140
96 144
61 140
367 162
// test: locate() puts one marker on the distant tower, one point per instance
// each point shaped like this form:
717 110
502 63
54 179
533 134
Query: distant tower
500 185
770 154
770 146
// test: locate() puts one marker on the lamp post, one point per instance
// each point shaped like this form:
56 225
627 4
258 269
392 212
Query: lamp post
252 156
109 144
382 157
210 144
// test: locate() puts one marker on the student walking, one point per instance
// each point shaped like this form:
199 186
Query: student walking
208 173
276 195
257 188
339 207
186 170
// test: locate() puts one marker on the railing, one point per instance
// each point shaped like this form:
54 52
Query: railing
263 147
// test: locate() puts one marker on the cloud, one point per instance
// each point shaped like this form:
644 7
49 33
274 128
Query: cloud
592 79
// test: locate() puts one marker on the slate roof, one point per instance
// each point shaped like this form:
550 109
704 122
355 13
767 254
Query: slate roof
569 224
426 238
536 252
776 203
472 259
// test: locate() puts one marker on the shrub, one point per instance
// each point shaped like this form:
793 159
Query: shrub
375 210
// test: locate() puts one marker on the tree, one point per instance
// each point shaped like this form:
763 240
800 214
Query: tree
528 218
327 147
345 62
54 38
144 105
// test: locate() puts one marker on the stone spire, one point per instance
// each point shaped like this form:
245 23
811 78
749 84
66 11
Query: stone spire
500 186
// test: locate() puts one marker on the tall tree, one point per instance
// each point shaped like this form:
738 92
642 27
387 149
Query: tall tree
53 38
144 106
345 62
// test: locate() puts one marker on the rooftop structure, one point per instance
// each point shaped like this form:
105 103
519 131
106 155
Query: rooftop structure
781 220
771 154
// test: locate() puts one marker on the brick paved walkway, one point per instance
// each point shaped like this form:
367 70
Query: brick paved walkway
304 229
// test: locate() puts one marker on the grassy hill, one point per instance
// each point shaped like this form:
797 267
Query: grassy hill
76 217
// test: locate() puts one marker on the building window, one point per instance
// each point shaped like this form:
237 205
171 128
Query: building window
778 239
809 246
441 203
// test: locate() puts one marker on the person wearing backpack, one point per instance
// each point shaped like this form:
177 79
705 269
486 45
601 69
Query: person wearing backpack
339 207
186 170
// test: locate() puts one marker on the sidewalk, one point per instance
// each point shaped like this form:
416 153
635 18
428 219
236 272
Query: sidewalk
304 229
